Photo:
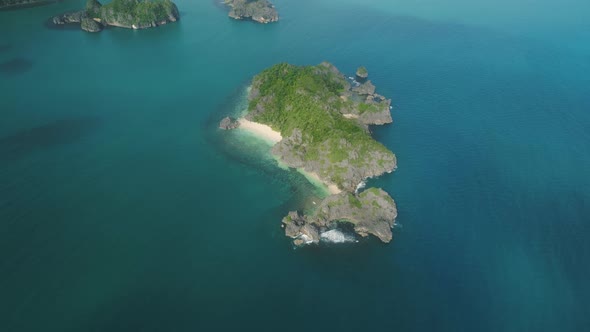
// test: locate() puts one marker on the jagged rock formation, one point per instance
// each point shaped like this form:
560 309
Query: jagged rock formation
261 11
371 212
324 123
131 14
90 25
70 17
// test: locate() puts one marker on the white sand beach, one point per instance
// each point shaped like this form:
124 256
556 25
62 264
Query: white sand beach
260 130
315 179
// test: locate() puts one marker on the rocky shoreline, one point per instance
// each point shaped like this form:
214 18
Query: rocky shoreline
346 159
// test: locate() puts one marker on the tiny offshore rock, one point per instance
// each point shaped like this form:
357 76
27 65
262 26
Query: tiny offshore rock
362 73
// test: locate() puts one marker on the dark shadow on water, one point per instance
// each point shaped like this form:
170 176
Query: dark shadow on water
34 139
15 66
5 47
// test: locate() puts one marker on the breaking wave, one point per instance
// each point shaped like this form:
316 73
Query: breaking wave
337 236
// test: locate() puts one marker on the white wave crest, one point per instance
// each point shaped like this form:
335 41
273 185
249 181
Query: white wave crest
360 186
336 236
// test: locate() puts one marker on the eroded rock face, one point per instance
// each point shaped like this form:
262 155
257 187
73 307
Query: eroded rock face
90 25
366 88
372 212
68 18
228 123
261 11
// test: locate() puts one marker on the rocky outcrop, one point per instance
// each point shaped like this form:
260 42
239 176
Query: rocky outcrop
362 73
131 14
228 123
372 212
68 18
366 88
261 11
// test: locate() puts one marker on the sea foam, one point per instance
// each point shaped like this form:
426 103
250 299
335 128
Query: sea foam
336 236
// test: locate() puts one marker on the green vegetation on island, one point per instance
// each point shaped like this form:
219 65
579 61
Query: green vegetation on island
324 121
261 11
132 14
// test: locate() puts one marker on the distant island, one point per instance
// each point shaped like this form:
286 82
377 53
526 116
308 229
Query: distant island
16 4
320 122
261 11
131 14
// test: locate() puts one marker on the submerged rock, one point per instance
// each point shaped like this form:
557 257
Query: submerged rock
228 123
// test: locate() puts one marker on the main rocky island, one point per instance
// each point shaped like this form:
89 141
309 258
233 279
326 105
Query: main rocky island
323 120
131 14
261 11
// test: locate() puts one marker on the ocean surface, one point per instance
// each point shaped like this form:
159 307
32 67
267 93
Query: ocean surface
123 208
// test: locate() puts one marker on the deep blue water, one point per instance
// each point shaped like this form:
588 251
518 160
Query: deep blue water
122 208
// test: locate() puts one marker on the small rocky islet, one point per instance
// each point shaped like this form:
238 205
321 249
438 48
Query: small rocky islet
131 14
324 120
261 11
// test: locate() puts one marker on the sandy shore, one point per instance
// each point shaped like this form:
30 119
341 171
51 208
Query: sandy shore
266 132
314 177
261 130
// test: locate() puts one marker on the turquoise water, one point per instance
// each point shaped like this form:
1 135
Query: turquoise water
122 208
